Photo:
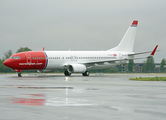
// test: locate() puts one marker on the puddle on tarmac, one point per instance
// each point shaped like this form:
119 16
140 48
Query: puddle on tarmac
36 87
142 96
92 89
58 101
130 110
47 88
42 87
43 100
46 100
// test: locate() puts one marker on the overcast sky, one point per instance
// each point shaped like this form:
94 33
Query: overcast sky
81 24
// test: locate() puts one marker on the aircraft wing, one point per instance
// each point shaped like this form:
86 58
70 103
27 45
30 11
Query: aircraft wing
138 53
111 60
114 60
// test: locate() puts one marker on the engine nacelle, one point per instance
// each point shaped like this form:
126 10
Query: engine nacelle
76 68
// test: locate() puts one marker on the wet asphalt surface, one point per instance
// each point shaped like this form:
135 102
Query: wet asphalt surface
97 97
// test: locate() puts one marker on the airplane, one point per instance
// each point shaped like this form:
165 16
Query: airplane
77 61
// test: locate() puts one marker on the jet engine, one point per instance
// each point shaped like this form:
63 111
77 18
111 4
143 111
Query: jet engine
76 68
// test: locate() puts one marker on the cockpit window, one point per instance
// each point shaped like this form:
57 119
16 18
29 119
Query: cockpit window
17 57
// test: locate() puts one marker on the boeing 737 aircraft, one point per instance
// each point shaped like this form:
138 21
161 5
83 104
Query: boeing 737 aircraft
77 61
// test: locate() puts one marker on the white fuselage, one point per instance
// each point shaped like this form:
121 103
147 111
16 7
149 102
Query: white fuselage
58 59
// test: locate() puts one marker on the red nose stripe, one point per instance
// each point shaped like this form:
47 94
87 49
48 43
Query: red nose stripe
34 60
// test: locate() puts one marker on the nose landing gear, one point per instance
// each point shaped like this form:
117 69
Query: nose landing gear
19 74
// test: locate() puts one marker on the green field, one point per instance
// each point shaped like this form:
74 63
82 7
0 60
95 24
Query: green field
149 78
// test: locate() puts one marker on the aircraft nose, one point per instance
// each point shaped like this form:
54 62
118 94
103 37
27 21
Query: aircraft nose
7 63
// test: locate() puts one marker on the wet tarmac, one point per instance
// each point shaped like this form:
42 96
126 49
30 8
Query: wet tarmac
97 97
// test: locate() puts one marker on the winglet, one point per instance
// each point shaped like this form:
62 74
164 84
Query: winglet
43 49
154 50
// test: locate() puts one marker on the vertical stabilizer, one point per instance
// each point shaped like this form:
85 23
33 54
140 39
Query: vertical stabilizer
127 42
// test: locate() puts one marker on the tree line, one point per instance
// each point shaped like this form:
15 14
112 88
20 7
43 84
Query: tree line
148 65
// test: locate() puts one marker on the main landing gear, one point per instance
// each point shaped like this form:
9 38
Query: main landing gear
86 73
19 74
67 73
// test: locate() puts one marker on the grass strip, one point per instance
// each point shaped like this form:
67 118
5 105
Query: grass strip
149 78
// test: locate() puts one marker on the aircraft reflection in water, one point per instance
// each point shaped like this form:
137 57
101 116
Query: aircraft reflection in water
42 100
29 101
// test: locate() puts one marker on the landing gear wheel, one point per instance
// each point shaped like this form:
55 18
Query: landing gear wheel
19 75
86 73
67 73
